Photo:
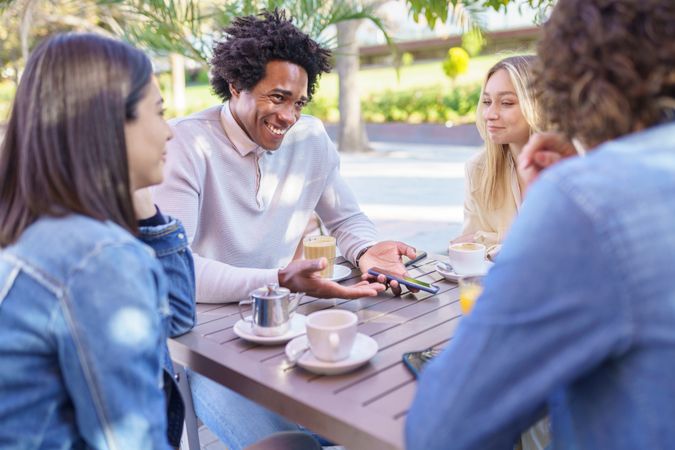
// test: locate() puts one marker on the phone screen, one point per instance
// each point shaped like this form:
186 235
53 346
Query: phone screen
415 361
408 281
416 281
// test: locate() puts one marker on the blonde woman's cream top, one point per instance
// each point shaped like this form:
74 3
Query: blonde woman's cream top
489 227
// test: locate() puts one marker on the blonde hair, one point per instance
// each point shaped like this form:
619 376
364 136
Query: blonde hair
493 167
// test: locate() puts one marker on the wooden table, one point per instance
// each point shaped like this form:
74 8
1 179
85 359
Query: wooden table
364 409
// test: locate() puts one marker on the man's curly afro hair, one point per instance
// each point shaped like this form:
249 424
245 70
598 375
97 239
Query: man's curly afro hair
251 42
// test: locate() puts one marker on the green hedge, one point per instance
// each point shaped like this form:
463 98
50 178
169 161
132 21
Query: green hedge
430 105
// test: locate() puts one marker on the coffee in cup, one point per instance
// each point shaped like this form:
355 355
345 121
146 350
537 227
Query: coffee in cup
467 258
331 334
315 247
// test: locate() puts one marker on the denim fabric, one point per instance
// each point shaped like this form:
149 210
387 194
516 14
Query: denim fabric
84 316
237 421
169 241
578 313
170 244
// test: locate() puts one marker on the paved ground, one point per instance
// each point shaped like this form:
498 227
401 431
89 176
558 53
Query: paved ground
412 184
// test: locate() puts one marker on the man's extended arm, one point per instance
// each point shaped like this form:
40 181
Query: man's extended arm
179 196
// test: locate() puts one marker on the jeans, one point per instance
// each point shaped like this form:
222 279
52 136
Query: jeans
237 421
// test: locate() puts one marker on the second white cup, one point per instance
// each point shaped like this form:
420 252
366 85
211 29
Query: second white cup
467 258
331 334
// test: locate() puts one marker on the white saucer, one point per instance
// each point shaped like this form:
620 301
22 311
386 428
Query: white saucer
244 330
451 275
364 349
340 272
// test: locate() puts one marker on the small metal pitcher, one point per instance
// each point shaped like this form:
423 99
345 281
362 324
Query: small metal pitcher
271 309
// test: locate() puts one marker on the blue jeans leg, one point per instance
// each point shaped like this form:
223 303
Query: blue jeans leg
236 421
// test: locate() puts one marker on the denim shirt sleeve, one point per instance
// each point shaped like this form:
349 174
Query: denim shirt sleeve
171 247
550 311
110 333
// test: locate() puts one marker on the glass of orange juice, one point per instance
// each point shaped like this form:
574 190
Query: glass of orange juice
470 289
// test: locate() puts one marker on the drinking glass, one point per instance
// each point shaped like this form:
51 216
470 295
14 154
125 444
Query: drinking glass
470 289
315 247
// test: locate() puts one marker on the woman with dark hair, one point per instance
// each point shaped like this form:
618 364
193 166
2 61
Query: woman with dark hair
578 313
85 306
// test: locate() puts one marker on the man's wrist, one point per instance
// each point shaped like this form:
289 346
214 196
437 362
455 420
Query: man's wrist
360 254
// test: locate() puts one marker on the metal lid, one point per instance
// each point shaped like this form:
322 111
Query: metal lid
271 291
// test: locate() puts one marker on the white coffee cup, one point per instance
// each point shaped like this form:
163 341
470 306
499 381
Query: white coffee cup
467 258
331 334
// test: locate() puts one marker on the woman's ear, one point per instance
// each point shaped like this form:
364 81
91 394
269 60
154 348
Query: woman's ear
233 90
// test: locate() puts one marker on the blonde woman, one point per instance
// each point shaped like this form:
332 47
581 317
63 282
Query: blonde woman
506 117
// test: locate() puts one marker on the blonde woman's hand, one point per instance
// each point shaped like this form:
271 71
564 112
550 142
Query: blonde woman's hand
143 204
463 239
542 151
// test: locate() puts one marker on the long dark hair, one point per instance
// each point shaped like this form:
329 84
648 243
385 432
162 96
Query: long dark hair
64 150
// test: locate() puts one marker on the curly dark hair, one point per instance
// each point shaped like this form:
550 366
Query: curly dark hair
252 42
607 67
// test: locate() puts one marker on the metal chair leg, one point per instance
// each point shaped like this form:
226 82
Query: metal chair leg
190 438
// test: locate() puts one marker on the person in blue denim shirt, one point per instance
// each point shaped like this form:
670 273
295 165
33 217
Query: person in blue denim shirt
85 305
578 314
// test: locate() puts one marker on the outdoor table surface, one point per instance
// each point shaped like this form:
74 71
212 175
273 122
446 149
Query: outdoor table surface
363 409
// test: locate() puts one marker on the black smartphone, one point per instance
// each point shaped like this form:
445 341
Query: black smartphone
420 256
406 281
415 361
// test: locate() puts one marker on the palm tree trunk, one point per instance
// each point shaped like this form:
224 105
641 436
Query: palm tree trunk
352 131
24 29
178 83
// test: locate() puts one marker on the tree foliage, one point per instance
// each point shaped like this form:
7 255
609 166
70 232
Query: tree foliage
473 42
456 63
434 10
188 27
26 22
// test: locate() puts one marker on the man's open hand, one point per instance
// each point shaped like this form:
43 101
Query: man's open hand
387 255
304 276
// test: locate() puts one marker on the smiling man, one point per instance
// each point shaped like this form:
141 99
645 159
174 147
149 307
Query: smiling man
246 176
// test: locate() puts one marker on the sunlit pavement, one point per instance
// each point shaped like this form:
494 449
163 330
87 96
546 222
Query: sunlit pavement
413 191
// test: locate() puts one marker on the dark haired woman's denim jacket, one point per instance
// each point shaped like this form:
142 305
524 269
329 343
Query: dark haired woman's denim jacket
169 241
84 317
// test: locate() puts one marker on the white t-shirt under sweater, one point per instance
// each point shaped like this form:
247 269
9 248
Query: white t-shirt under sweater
245 209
